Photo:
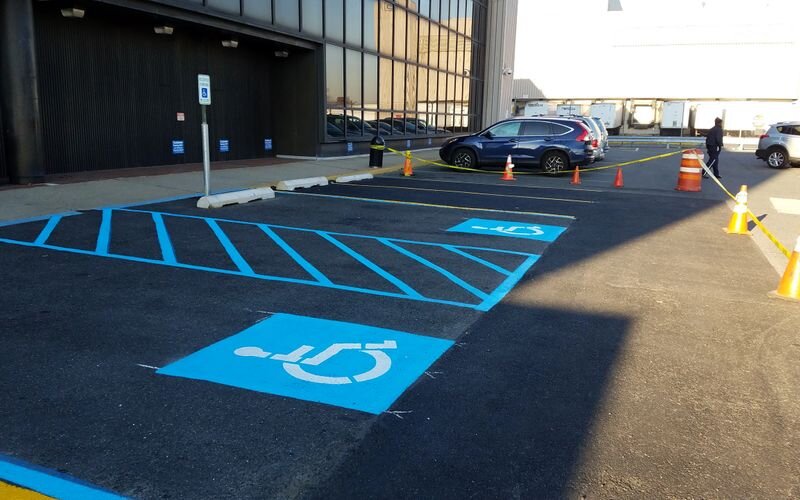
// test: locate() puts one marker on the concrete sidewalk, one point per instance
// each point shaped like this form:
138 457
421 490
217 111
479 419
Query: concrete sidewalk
38 200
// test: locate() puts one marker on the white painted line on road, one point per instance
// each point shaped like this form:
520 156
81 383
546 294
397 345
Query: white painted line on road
476 193
788 206
148 366
431 205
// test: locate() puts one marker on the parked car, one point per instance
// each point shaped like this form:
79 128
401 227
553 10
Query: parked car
554 144
780 145
595 125
404 126
604 133
333 130
353 125
385 128
424 127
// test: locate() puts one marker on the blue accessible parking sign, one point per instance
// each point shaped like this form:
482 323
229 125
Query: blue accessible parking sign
342 364
529 231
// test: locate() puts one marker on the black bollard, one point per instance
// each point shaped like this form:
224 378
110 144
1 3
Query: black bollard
376 147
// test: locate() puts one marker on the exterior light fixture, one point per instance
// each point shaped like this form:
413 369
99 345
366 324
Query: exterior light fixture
281 53
163 30
230 44
508 71
73 12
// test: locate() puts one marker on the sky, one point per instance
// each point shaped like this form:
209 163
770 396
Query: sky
718 48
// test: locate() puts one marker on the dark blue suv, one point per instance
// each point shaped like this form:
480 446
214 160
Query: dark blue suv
555 144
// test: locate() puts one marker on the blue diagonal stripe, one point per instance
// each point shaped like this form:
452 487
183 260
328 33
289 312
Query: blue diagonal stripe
234 254
309 267
50 483
229 272
447 274
334 233
167 252
507 284
48 230
486 263
104 236
371 265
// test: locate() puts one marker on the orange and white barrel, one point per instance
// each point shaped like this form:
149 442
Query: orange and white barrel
691 172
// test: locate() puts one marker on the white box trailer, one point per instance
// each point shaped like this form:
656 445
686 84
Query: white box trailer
609 112
675 115
704 115
539 108
569 109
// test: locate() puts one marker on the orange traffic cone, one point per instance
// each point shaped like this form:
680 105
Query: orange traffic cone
738 222
789 286
508 173
618 179
408 170
576 176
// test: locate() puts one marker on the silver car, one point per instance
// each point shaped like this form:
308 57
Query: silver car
596 127
780 145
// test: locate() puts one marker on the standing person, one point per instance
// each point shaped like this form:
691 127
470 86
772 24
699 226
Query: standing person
714 147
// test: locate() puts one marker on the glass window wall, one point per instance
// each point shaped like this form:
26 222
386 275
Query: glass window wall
402 68
353 24
312 17
287 14
334 20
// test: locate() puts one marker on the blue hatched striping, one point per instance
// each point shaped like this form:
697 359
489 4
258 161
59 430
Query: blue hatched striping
167 252
490 265
48 230
104 236
447 274
234 254
371 265
309 267
319 279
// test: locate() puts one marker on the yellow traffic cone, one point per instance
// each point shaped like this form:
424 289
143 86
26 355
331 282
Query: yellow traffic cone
738 222
789 286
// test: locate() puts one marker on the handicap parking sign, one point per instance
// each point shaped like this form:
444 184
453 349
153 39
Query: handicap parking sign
525 230
342 364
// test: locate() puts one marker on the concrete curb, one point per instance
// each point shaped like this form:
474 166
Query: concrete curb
235 197
292 184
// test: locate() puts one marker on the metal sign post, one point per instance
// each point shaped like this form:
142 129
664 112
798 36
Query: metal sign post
204 95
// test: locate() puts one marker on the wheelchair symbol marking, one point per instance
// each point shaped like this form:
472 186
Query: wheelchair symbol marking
292 361
514 230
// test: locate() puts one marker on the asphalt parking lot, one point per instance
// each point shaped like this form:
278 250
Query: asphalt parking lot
447 335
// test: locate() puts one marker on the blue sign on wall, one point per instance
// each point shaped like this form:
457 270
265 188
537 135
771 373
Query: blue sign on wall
224 145
267 144
178 148
349 147
408 143
342 364
512 229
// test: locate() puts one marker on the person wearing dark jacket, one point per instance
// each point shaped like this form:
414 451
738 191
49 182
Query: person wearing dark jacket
714 147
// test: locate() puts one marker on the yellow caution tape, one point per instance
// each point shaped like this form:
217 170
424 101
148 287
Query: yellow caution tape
785 251
604 167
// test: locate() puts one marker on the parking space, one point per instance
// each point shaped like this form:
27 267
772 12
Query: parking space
280 348
168 326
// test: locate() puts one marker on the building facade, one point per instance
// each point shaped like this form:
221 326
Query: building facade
105 84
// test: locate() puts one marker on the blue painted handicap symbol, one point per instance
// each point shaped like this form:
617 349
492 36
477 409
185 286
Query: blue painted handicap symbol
342 364
530 231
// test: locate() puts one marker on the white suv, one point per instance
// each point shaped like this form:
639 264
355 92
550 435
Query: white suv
780 146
